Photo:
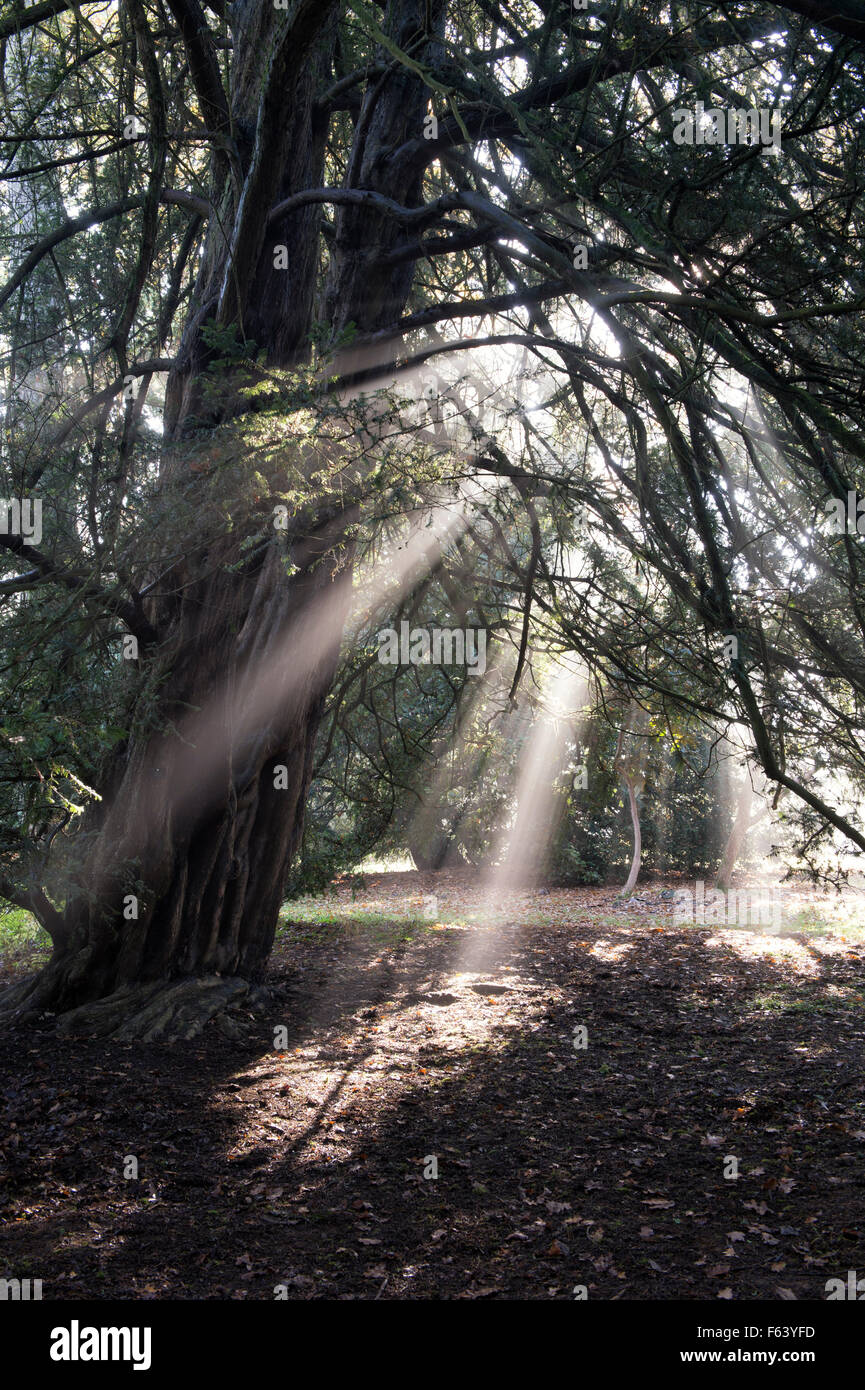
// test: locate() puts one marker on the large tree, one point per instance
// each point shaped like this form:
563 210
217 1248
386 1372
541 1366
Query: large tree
201 808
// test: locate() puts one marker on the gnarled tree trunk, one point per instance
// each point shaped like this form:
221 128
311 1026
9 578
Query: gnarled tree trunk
184 863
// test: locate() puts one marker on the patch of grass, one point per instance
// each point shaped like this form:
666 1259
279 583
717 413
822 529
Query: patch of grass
786 1000
322 925
21 934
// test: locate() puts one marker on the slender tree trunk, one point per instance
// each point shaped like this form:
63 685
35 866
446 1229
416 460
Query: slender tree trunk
184 864
629 764
638 842
736 839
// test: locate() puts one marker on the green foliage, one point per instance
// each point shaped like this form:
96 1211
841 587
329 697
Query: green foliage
20 933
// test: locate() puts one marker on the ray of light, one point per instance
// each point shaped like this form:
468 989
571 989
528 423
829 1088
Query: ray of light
524 844
522 847
282 662
463 757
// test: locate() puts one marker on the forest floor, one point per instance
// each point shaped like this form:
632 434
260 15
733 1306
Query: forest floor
426 1034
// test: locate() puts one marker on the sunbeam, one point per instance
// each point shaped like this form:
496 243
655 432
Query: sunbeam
281 663
522 846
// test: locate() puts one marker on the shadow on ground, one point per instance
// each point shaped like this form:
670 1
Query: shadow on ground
452 1050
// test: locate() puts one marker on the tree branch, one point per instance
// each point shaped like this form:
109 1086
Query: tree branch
11 24
74 225
131 612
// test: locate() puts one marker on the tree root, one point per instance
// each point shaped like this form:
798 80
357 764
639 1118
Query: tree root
24 1001
161 1012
